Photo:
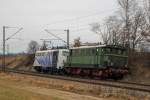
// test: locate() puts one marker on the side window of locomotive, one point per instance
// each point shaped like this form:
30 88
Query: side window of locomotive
83 52
124 52
36 54
93 51
87 52
79 52
42 54
70 52
119 52
107 50
75 52
65 53
114 51
102 50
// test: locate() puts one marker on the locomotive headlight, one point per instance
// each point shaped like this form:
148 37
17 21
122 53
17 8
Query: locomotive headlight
126 65
111 64
107 61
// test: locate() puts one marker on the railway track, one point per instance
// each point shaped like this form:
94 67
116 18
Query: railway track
109 83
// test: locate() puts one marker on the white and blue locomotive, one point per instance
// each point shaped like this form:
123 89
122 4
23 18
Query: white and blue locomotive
50 60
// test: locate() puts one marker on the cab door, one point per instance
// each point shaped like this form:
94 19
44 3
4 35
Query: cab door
100 57
55 59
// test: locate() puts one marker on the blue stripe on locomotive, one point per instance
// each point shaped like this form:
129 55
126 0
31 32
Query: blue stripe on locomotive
45 60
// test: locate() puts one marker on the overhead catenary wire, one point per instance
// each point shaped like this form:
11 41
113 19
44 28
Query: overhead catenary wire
73 28
55 35
81 17
13 34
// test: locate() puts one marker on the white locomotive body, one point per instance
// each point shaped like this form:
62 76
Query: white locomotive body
50 60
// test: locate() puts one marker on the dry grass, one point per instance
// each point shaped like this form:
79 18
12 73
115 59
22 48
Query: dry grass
23 62
10 93
20 87
75 87
139 68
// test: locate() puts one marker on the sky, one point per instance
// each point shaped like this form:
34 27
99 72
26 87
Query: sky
34 16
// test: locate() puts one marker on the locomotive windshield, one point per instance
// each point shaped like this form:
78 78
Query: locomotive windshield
117 51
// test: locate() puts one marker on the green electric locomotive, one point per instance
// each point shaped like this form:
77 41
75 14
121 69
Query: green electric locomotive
105 61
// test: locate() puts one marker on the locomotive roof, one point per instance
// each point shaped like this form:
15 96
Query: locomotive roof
111 46
42 51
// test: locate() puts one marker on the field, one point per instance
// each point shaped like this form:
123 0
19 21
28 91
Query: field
12 88
26 88
11 91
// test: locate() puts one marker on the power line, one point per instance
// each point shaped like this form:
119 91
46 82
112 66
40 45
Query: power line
81 17
81 29
4 42
13 34
55 35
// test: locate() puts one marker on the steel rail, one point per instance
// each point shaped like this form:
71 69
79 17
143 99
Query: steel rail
122 85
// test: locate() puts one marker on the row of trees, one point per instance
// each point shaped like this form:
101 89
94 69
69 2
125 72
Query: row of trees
33 46
129 26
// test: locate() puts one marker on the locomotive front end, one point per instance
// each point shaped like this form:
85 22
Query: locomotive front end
116 60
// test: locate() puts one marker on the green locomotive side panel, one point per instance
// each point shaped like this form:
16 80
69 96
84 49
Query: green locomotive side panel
99 57
83 57
83 60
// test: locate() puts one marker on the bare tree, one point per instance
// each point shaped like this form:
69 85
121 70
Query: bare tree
130 27
137 26
77 42
146 6
109 32
127 11
44 46
33 47
114 26
134 22
146 10
101 31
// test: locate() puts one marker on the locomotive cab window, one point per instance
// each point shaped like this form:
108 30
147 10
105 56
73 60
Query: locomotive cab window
107 50
65 53
75 52
82 52
70 52
120 52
